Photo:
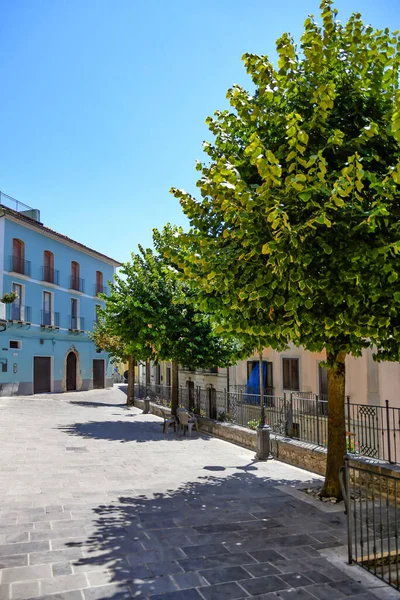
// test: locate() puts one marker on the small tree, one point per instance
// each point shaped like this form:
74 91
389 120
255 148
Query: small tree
297 233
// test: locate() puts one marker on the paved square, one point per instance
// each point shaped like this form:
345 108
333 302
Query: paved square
97 503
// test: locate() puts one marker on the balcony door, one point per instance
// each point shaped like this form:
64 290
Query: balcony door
47 308
75 275
16 306
18 256
74 313
48 268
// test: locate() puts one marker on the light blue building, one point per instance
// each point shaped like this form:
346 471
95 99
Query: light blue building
45 347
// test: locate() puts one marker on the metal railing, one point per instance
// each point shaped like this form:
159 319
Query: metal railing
372 501
371 431
100 289
19 312
19 265
50 275
49 318
13 203
76 323
76 283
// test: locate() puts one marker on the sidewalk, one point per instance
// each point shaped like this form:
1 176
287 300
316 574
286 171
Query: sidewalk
98 504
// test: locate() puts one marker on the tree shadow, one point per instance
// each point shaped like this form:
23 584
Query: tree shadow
127 431
92 404
184 538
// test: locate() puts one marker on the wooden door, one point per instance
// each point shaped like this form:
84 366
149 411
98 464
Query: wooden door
41 374
98 374
71 372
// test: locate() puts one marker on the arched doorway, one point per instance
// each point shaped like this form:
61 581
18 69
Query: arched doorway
71 372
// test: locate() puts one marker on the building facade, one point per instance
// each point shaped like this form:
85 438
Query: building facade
46 347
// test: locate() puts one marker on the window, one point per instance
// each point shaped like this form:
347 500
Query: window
48 266
290 368
253 378
75 275
16 308
18 256
99 282
74 313
15 344
3 363
47 309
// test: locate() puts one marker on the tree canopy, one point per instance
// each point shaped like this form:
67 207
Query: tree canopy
296 234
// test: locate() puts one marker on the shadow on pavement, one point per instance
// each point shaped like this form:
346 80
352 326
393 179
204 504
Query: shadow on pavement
91 404
239 526
127 431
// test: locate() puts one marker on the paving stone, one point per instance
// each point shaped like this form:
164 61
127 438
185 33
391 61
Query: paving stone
5 592
188 580
214 576
61 568
106 592
25 589
159 585
347 588
223 591
262 569
204 550
325 592
164 568
15 560
63 583
261 585
295 579
317 577
25 573
267 555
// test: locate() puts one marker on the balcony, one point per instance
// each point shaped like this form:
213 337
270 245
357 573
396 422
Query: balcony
19 313
76 283
19 265
50 319
100 289
76 324
50 275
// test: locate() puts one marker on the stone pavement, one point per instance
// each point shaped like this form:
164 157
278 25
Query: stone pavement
98 504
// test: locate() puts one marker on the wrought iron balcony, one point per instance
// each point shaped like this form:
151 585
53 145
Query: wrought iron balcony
76 283
50 275
76 323
19 265
50 319
100 289
19 312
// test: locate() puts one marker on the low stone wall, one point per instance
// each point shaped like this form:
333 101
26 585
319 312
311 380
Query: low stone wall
306 456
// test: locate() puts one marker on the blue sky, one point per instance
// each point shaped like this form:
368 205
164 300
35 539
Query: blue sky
103 103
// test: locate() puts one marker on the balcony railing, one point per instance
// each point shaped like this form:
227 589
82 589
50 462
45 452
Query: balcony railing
49 318
100 289
76 283
19 312
50 275
19 265
76 323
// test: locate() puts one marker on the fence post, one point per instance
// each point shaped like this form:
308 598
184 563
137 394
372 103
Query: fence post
317 408
349 523
388 431
289 417
226 402
241 406
348 428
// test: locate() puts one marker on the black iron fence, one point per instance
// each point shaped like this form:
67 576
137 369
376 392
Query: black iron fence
373 520
371 431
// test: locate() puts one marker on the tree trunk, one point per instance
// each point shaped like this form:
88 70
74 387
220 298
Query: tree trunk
174 386
262 414
130 400
336 424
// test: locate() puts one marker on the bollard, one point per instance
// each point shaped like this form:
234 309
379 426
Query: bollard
146 405
263 443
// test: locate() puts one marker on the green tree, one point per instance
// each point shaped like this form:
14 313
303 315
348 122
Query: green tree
155 316
296 236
